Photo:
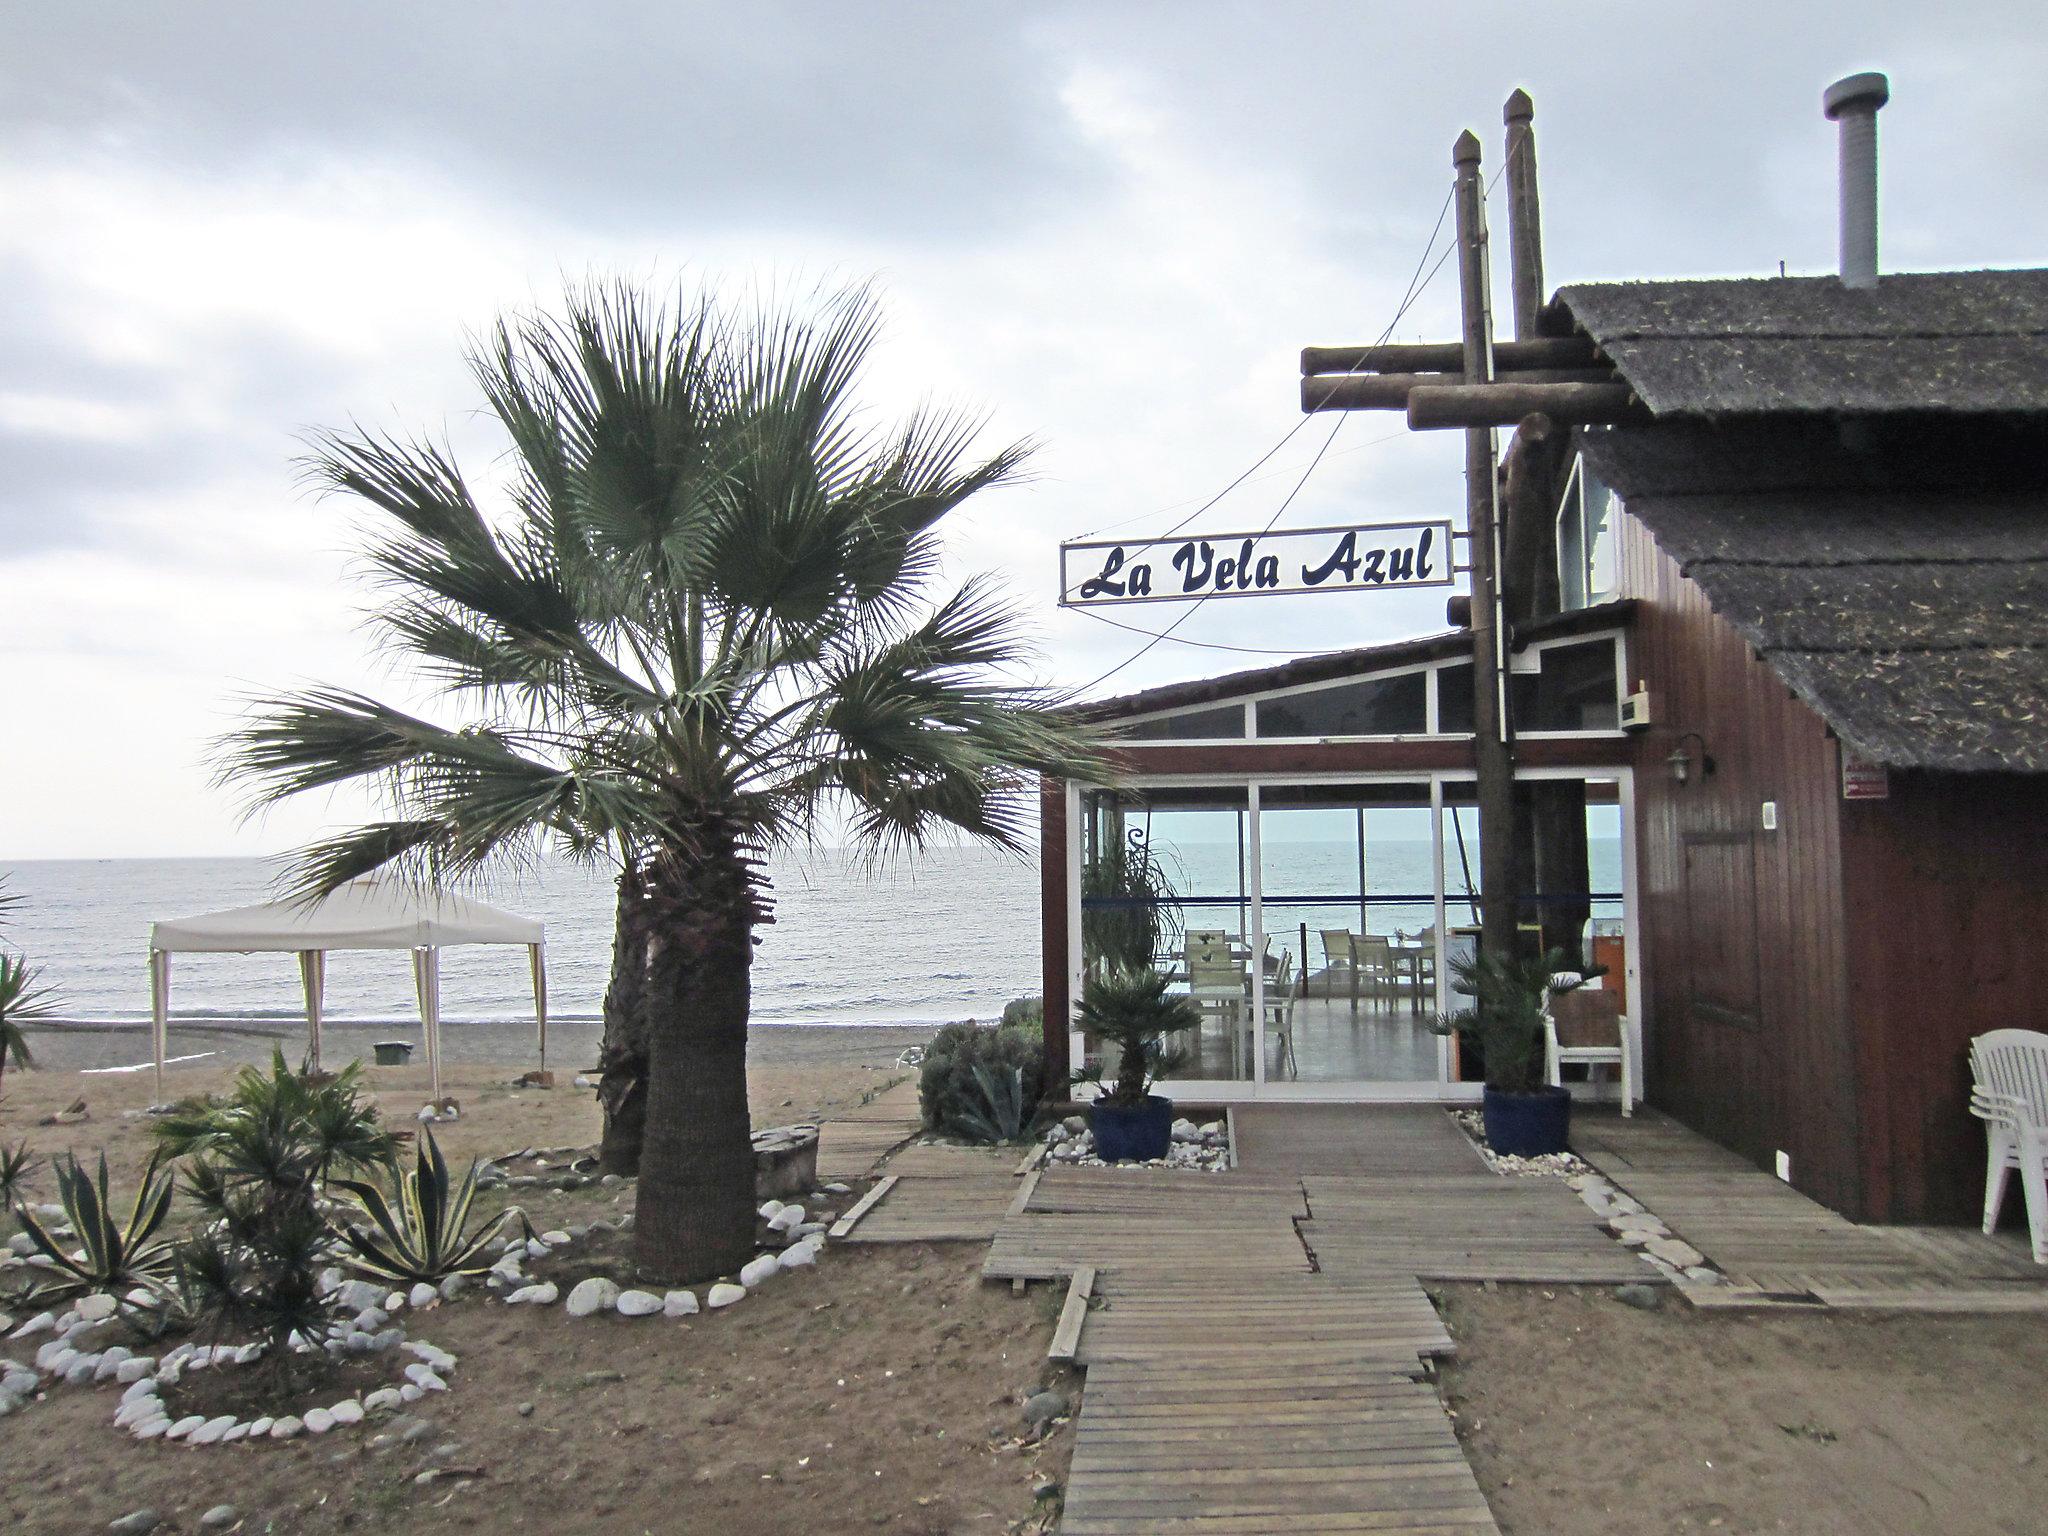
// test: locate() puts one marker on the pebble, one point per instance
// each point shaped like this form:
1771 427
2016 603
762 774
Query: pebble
422 1295
258 1428
132 1372
35 1325
453 1286
381 1399
724 1295
347 1411
757 1269
1680 1255
638 1304
287 1428
1644 1298
597 1294
526 1410
136 1524
543 1295
318 1421
218 1517
424 1377
96 1308
796 1257
184 1426
211 1430
1044 1407
789 1216
678 1303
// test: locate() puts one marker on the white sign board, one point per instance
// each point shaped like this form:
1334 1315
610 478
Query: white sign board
1362 557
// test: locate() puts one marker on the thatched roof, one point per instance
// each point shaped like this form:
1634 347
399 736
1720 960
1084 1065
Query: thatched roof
1903 594
1919 342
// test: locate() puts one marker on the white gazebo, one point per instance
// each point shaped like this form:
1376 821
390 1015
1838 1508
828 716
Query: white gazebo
364 914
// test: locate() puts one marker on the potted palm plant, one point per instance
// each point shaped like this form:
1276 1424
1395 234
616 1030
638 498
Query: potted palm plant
1130 1008
1524 1116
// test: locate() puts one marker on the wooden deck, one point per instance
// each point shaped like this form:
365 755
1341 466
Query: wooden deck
941 1194
1777 1247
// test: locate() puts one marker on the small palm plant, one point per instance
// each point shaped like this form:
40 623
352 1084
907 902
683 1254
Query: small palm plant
420 1231
257 1162
116 1254
1130 1008
17 1166
22 996
1510 994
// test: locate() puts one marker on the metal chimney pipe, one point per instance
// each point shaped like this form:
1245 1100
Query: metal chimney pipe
1853 102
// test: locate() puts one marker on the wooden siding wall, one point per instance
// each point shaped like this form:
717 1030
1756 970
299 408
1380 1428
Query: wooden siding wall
1743 943
1947 883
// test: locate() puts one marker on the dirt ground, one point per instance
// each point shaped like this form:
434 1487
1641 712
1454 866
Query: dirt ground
880 1389
1584 1417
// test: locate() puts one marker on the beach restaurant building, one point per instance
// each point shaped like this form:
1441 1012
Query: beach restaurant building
1780 744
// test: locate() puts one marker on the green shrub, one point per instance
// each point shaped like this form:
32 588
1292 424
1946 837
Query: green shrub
948 1095
1024 1013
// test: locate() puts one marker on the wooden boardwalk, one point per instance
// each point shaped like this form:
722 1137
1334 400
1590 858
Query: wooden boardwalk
941 1194
853 1142
1778 1247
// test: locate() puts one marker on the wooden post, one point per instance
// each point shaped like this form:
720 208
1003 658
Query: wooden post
1525 215
1496 771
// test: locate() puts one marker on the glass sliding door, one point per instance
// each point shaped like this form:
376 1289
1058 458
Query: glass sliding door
1166 884
1347 906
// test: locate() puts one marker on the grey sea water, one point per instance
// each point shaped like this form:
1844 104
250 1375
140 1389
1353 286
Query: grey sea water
952 935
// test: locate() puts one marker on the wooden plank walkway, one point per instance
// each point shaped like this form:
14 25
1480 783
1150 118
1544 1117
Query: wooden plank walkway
941 1194
1459 1228
1386 1323
1776 1245
852 1142
1185 1448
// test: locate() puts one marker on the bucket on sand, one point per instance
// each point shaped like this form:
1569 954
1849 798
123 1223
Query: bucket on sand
393 1053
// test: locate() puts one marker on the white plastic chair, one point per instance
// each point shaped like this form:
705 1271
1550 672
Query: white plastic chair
2011 1098
1585 1025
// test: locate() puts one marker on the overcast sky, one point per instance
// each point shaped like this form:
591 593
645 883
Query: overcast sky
1110 225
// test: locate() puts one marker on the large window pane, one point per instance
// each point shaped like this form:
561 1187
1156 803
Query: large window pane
1161 868
1222 724
1374 706
1347 907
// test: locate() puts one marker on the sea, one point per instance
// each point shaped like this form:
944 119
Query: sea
950 934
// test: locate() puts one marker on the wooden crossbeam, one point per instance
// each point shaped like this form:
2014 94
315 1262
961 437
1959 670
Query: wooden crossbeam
1066 1338
1449 356
866 1203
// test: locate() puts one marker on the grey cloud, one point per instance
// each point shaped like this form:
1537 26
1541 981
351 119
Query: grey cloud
940 121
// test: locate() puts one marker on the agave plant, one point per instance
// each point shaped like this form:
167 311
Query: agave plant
420 1230
1002 1113
115 1254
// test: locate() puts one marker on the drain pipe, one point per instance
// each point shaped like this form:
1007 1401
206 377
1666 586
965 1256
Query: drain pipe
1853 102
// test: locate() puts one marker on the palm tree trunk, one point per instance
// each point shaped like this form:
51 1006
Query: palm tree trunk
694 1219
622 1059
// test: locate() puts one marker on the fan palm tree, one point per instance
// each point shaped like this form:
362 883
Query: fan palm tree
702 628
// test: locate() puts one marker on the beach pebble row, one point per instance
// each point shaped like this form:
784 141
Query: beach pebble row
1200 1148
66 1357
1634 1227
787 1222
1552 1165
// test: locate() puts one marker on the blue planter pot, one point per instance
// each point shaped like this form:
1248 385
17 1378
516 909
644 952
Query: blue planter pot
1527 1124
1132 1135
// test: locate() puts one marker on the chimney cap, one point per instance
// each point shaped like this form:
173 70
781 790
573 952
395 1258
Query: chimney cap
1865 92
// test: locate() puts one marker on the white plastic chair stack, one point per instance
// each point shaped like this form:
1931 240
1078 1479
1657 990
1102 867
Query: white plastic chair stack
2011 1098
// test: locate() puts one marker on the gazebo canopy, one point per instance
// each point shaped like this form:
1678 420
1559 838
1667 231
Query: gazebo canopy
364 914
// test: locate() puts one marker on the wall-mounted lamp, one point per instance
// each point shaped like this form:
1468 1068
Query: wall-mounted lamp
1680 761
